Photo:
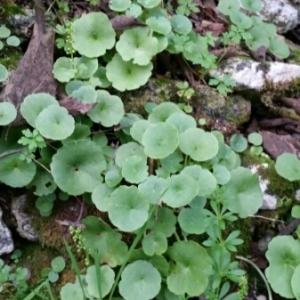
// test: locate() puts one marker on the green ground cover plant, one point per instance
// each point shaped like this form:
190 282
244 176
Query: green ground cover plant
170 186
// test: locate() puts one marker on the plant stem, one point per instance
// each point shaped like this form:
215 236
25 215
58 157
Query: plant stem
270 297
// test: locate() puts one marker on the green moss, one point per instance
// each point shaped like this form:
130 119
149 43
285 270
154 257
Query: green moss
10 57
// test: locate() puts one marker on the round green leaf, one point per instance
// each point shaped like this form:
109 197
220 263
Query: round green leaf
149 3
173 162
190 272
58 264
139 281
296 211
128 208
279 48
258 38
160 140
81 132
76 167
138 128
154 243
240 19
238 143
63 69
182 121
85 66
181 189
125 75
295 282
113 176
100 196
133 45
43 182
192 220
288 166
181 24
106 281
198 144
227 6
13 41
44 205
99 78
163 111
222 174
71 290
252 5
164 221
119 5
283 256
159 24
53 276
34 104
54 122
152 188
95 30
127 150
8 113
108 111
135 169
86 94
1 46
255 139
256 150
73 85
4 32
243 193
3 73
16 172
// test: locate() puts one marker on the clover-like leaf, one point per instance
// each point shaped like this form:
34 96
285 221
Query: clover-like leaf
34 104
152 188
108 111
8 113
163 111
198 144
127 150
139 281
135 169
128 208
16 172
160 140
76 167
3 73
155 243
138 45
107 276
85 66
159 24
125 75
54 122
243 193
95 30
191 270
180 191
283 256
182 121
288 166
181 24
63 69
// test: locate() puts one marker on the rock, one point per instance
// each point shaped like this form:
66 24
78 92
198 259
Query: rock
269 201
24 226
281 13
297 195
6 241
221 113
253 75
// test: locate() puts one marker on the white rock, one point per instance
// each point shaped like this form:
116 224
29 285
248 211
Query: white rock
249 74
297 195
281 13
261 297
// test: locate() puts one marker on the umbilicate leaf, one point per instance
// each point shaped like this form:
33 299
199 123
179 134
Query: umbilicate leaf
8 113
288 166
